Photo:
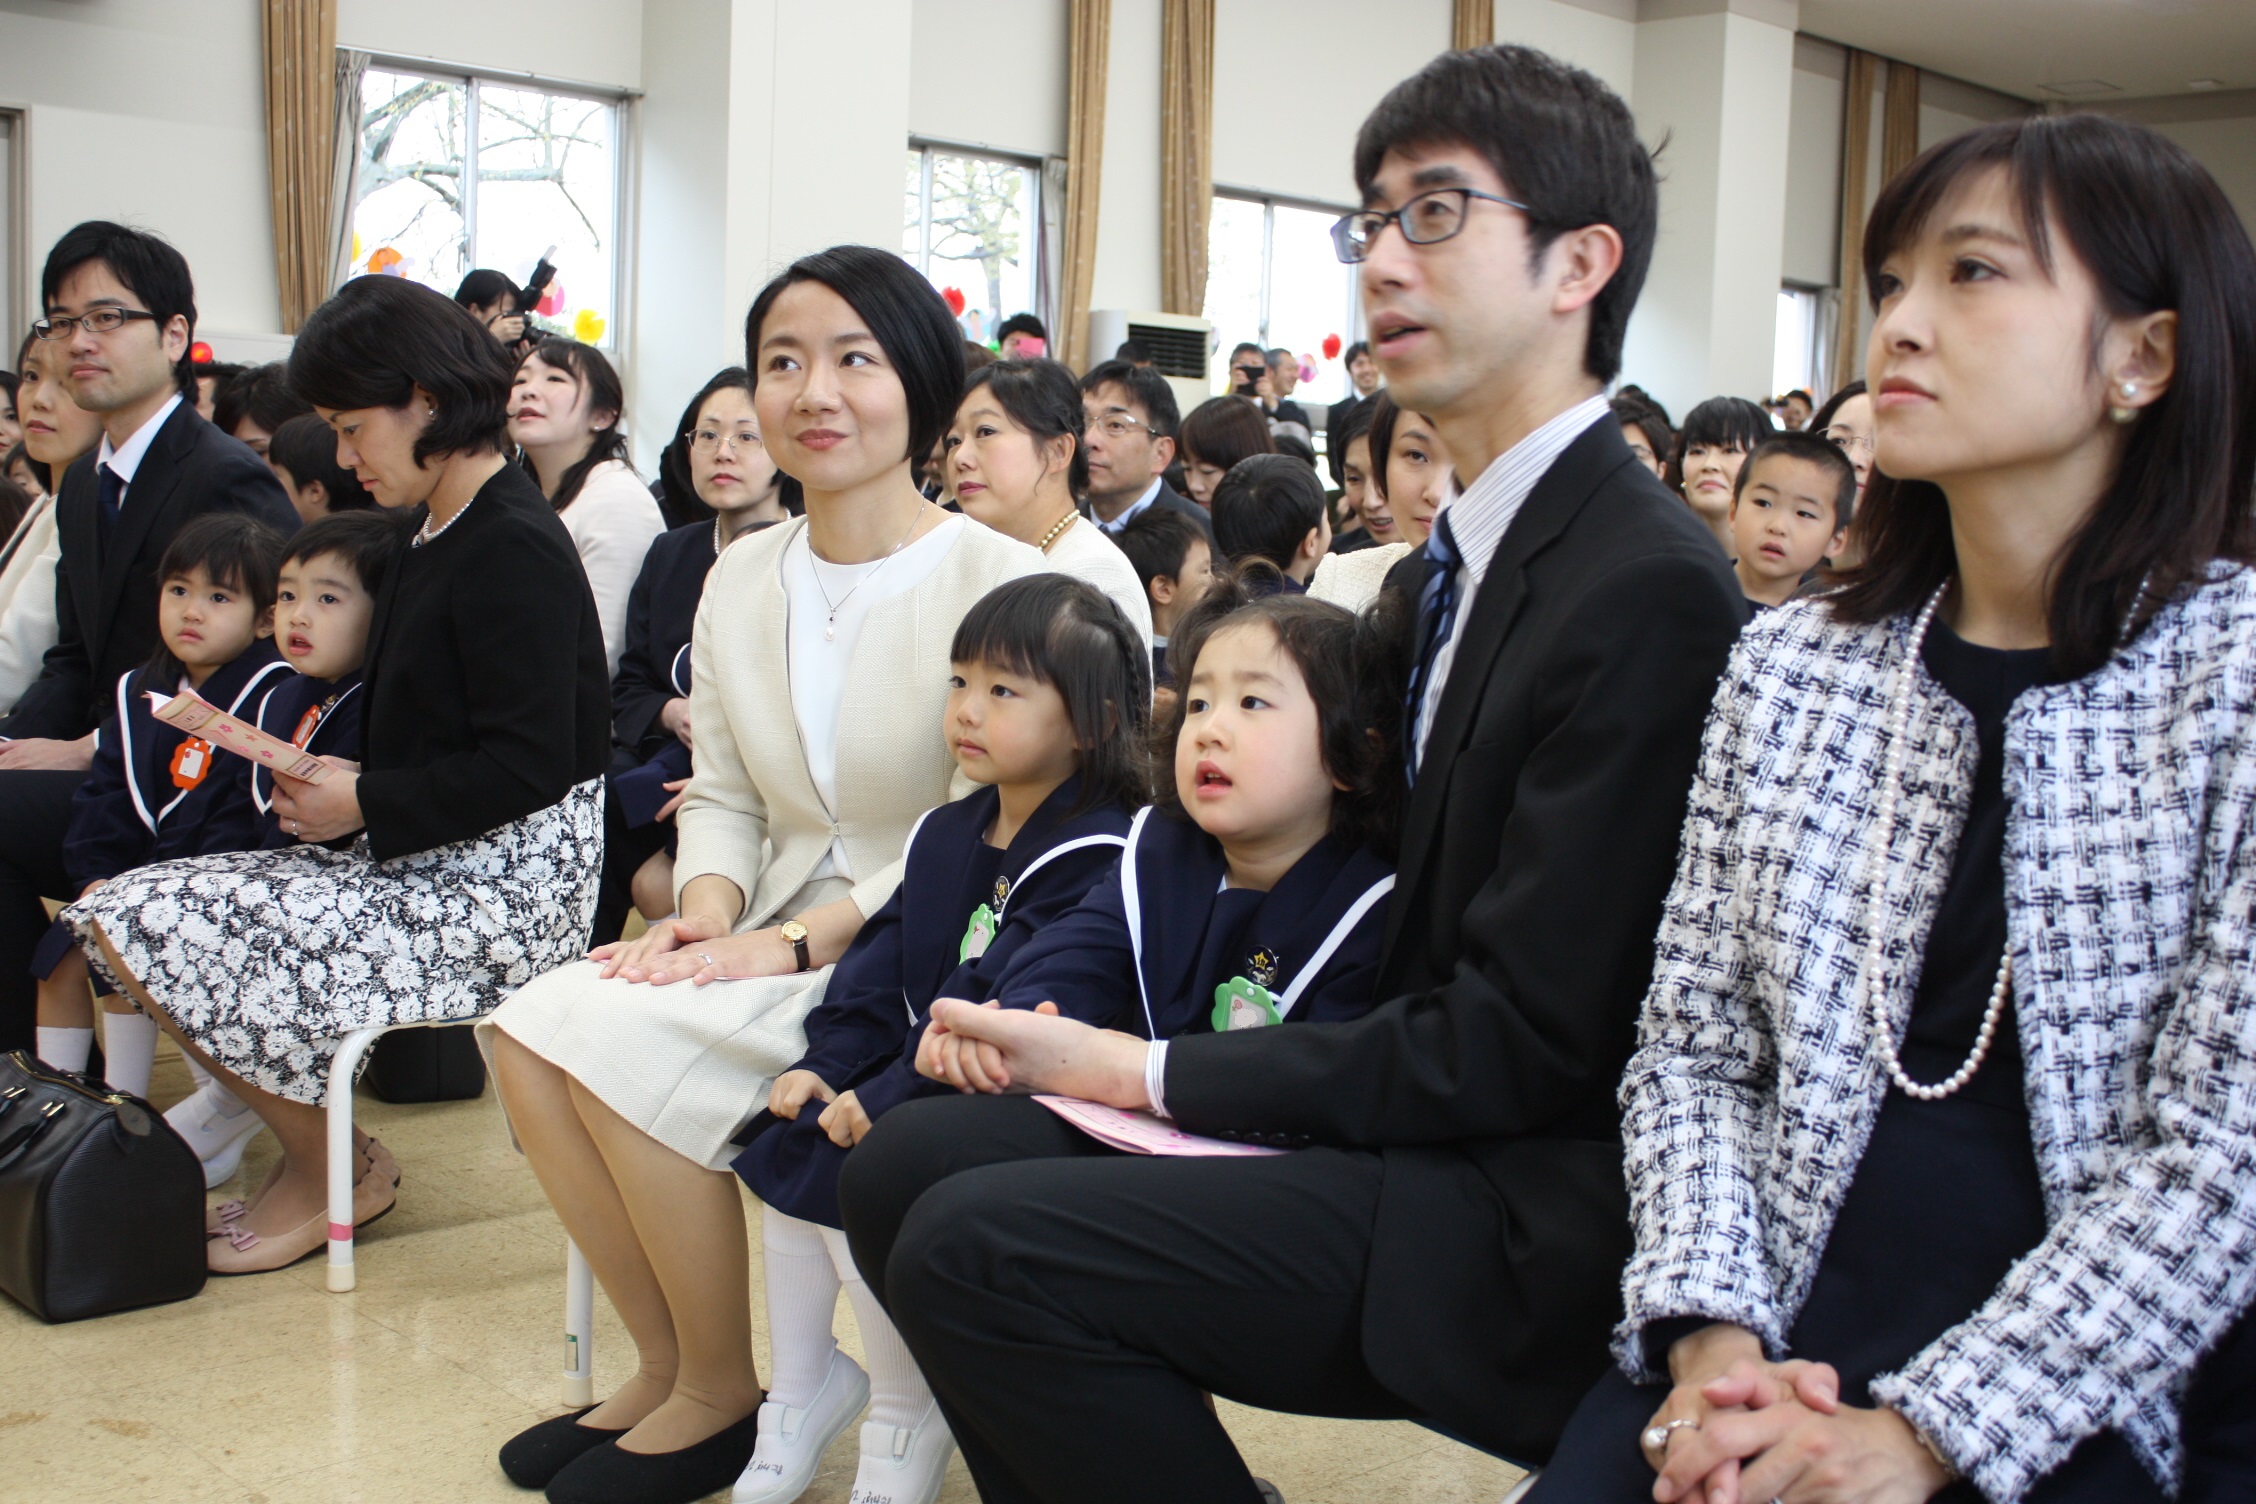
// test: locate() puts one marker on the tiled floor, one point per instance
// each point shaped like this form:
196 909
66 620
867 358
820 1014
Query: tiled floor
269 1389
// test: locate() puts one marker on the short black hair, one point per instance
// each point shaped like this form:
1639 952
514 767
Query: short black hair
368 541
236 552
682 500
1633 390
1264 507
307 448
14 500
379 338
1733 422
484 287
1131 352
1798 392
18 455
1637 413
593 370
1021 323
1224 430
1157 540
1145 387
1811 449
1354 667
1041 397
1565 146
1360 347
1279 356
1355 425
261 394
1386 415
1244 345
1069 634
906 317
219 373
147 266
1822 419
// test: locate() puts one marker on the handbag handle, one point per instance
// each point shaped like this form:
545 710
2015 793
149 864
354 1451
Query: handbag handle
28 1134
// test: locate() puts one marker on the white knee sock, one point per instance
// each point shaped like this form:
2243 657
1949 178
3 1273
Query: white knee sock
129 1050
198 1074
64 1049
898 1394
802 1298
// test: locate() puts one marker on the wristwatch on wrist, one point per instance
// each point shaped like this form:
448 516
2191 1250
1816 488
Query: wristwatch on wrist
795 932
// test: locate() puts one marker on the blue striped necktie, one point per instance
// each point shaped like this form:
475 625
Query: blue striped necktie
1437 619
108 495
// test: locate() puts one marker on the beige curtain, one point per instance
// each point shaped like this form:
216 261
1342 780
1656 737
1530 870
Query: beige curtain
1899 123
301 91
1186 151
1856 160
1088 50
344 163
1472 24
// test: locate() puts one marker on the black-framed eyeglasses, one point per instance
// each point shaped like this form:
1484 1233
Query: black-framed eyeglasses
1426 219
95 321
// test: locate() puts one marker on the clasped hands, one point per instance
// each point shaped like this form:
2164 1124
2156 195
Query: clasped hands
697 948
1739 1429
986 1047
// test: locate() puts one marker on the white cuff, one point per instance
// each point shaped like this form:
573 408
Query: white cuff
1155 1076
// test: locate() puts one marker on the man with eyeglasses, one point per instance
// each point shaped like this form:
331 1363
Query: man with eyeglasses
1447 1243
120 306
1130 443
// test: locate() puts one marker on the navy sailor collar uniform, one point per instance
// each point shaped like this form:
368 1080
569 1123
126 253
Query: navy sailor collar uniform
863 1036
1148 948
334 707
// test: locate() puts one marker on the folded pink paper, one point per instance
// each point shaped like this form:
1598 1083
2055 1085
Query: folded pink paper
1141 1133
198 716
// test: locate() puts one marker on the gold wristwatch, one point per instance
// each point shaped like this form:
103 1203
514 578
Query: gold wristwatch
795 932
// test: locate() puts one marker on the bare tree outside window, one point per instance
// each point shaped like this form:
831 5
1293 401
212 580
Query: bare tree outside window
969 224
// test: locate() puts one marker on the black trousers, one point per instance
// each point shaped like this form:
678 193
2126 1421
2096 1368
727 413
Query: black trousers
625 849
1070 1305
1598 1461
34 817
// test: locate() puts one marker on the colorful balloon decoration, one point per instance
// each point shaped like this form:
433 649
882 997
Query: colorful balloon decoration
954 298
1331 347
587 327
552 299
385 261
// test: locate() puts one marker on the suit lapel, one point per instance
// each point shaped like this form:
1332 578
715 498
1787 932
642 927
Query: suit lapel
1557 497
82 553
151 492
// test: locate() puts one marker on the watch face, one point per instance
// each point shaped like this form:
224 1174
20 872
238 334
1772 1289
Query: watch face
793 930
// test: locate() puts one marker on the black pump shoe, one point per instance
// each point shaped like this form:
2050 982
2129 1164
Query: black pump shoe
538 1453
609 1474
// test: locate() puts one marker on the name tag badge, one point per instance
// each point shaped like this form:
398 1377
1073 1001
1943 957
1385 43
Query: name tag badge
306 724
978 935
1241 1004
191 763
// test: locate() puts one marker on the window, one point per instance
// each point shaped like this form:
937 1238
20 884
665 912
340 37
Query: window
972 226
461 172
1272 277
1799 352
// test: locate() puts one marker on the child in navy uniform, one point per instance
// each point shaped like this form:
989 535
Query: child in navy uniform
1254 893
154 792
1047 710
331 573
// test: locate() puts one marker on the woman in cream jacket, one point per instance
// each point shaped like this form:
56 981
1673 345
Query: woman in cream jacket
819 679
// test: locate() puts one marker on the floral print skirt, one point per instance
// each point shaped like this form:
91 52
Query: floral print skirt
267 959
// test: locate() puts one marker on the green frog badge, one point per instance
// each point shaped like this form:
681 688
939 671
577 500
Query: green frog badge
1245 1002
980 933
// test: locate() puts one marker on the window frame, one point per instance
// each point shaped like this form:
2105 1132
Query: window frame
1351 323
1037 237
624 105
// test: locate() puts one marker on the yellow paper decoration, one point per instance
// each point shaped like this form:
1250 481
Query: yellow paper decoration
587 328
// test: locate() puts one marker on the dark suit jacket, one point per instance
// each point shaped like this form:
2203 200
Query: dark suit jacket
1174 501
1538 845
106 588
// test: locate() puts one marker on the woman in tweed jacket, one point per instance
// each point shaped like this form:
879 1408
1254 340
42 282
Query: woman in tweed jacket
1912 1223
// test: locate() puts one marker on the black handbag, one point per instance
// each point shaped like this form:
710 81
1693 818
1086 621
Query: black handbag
427 1065
101 1203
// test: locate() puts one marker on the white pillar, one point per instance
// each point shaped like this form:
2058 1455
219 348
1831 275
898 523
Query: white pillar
1127 270
1716 78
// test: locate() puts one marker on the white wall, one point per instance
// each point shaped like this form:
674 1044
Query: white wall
584 41
152 113
1592 35
990 73
1813 164
1291 87
1948 107
2218 129
1126 275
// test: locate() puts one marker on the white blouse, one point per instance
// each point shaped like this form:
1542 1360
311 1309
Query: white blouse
829 604
613 522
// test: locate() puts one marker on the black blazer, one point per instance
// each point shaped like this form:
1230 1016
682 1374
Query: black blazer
1538 846
106 588
485 695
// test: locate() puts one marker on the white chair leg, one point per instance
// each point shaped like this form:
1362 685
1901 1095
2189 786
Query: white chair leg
579 1328
1520 1489
341 1177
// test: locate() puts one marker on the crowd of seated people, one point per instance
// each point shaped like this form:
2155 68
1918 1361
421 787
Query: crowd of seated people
1759 906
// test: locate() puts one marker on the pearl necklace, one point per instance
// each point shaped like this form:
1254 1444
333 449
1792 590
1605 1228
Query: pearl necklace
1872 977
1057 530
426 532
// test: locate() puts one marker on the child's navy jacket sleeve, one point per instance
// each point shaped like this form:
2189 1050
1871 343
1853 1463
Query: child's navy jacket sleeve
1082 961
106 835
864 1014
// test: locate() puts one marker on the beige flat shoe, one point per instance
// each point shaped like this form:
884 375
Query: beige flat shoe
235 1249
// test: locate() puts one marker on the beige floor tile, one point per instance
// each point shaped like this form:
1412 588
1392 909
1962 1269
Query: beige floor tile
93 1448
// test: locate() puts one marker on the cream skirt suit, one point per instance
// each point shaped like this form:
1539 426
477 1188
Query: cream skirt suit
689 1065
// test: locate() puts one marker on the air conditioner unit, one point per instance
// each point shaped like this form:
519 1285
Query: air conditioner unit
1179 346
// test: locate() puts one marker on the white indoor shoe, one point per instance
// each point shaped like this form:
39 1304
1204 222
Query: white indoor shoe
904 1464
792 1442
218 1135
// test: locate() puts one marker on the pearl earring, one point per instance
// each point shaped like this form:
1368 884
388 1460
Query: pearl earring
2123 412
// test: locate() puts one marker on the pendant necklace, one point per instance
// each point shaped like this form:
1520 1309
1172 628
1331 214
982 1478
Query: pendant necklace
830 624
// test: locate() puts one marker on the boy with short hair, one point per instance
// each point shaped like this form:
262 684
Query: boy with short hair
1271 507
1790 511
1171 555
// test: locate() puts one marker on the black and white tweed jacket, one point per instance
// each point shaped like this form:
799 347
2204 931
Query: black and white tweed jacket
2131 909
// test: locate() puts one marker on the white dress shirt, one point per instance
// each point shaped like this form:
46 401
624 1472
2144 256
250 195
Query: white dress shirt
126 458
1151 494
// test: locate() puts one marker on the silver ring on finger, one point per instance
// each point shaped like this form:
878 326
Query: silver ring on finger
1656 1438
708 960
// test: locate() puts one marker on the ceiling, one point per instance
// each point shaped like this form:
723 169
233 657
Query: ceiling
2143 47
